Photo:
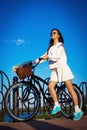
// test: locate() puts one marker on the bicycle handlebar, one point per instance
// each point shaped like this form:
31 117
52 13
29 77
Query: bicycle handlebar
36 64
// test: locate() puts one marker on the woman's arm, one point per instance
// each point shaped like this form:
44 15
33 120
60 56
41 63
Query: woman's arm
44 58
56 53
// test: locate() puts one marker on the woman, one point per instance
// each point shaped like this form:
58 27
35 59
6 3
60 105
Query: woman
60 71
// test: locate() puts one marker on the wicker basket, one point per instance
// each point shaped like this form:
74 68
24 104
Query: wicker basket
24 71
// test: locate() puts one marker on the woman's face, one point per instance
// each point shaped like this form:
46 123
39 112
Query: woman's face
55 35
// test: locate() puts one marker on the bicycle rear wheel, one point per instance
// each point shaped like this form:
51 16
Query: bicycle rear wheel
66 101
22 101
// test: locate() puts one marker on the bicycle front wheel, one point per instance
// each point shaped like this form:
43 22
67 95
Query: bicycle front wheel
66 102
22 101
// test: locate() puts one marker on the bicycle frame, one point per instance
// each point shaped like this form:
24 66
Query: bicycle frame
36 79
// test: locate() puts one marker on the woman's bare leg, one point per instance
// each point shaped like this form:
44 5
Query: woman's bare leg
51 87
78 111
56 107
70 88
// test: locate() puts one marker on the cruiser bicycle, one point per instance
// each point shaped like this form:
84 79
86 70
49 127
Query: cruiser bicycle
23 98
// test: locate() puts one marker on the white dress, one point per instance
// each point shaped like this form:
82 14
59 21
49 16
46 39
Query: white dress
58 63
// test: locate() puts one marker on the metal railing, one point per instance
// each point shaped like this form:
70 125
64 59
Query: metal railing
4 85
83 87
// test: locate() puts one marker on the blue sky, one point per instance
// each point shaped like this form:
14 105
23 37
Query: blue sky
25 27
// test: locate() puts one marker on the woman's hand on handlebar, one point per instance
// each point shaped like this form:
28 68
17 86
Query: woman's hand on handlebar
38 60
45 57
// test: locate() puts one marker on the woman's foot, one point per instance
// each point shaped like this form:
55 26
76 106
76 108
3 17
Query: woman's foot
78 115
56 109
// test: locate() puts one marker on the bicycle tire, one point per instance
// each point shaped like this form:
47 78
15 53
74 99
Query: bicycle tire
66 101
22 101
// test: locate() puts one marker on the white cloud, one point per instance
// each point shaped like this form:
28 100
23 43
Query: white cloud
17 42
20 41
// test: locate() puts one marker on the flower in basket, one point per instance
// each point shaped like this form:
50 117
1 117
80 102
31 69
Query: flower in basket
14 68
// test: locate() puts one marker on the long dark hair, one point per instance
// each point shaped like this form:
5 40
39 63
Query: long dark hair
60 39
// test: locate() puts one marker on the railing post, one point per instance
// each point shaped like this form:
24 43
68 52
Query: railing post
15 97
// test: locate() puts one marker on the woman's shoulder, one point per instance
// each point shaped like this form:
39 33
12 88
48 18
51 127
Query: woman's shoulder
59 44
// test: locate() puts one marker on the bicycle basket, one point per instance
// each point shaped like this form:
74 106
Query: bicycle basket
24 70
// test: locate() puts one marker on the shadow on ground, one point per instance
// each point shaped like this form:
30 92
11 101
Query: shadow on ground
6 128
42 125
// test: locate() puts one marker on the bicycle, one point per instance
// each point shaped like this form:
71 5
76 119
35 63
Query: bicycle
22 99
